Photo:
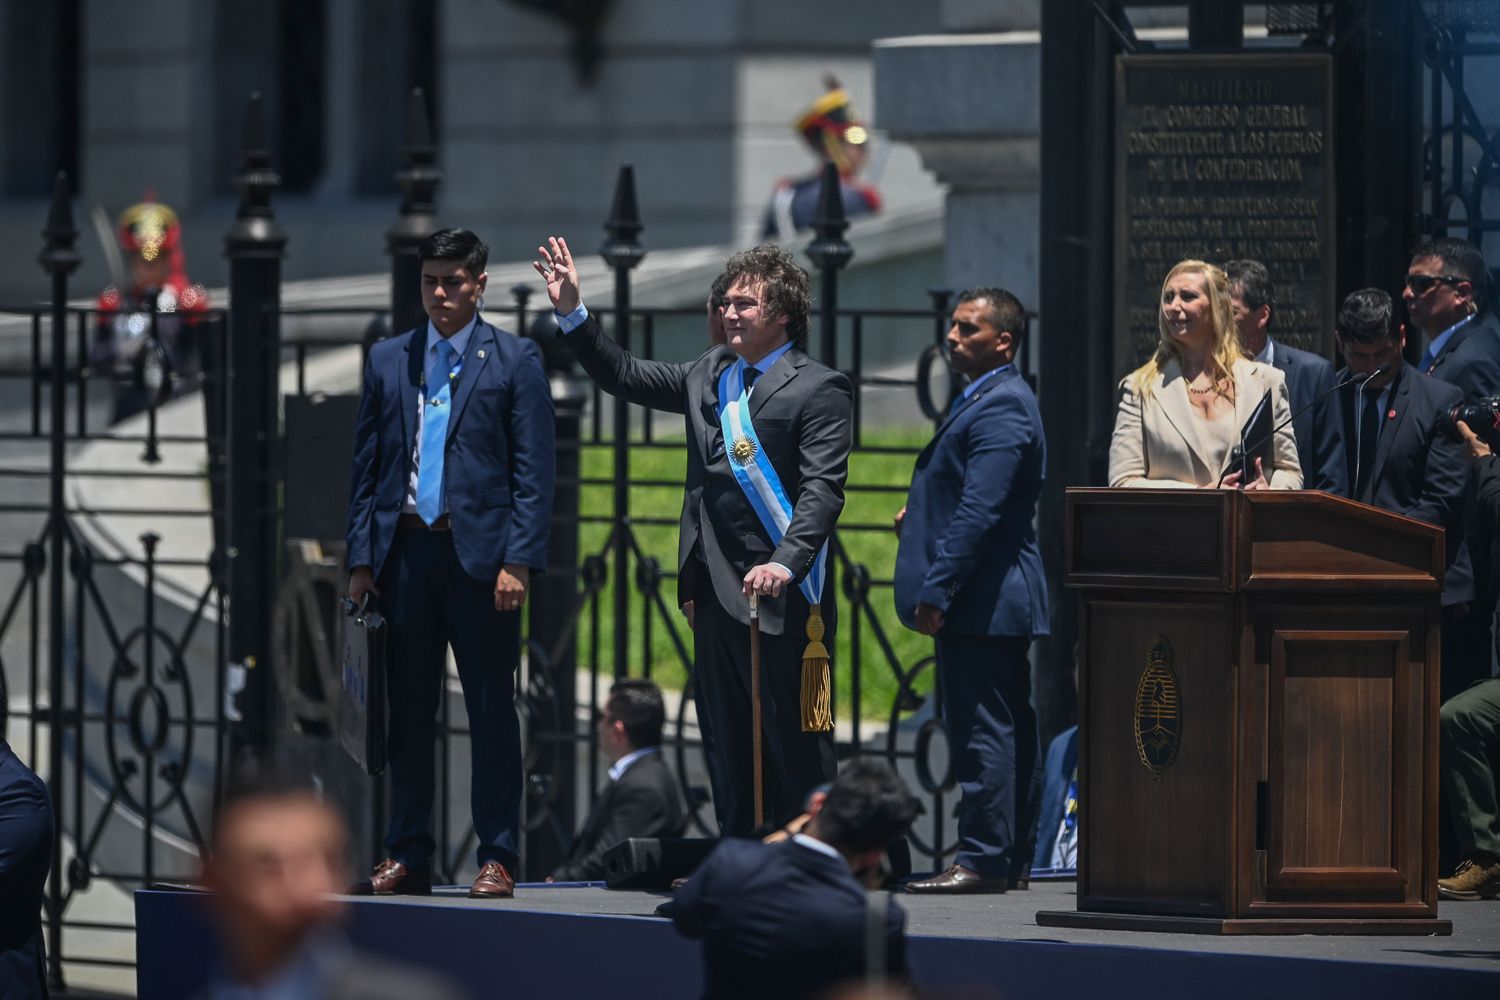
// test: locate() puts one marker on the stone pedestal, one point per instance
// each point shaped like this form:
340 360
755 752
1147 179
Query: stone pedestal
970 106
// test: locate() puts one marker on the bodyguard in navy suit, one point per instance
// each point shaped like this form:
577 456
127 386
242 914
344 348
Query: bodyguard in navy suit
449 510
1403 455
1309 378
1447 288
968 573
25 857
792 920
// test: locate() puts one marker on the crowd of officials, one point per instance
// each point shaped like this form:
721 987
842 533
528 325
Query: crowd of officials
449 514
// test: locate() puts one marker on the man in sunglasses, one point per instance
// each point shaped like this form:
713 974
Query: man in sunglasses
1447 287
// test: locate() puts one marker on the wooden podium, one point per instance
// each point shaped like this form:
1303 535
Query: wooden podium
1258 711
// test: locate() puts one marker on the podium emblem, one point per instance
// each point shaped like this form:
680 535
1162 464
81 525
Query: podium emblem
1158 710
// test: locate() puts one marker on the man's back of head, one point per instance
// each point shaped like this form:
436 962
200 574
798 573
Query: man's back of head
867 807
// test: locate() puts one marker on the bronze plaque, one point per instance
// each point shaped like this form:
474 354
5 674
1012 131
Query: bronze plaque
1217 158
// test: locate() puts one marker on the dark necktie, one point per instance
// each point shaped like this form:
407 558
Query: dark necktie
1369 436
751 374
1425 365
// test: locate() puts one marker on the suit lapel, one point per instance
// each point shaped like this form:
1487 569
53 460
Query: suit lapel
783 371
1390 426
416 351
1178 411
476 356
708 401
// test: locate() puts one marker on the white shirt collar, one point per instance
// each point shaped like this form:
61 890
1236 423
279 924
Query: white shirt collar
622 765
814 844
1441 340
1267 354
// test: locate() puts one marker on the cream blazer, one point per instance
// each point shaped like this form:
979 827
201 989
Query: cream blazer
1161 442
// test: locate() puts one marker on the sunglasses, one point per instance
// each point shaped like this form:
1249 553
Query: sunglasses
1422 283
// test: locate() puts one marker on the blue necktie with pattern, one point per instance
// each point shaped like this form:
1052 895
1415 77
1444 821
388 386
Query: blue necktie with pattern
434 438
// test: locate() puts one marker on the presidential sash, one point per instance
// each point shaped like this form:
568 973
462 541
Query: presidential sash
761 485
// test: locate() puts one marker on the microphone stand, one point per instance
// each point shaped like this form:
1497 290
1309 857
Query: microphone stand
1363 381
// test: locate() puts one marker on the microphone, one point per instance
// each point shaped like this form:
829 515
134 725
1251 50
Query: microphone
1354 377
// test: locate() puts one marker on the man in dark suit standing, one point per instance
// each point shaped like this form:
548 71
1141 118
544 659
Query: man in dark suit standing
968 573
1403 455
792 919
25 858
449 512
790 424
641 797
1447 288
1309 378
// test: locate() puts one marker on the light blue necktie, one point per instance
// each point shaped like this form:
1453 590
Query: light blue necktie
434 438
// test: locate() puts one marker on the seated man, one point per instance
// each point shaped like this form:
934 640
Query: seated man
641 797
1469 728
792 919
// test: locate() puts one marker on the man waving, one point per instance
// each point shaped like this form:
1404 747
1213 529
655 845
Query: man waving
768 438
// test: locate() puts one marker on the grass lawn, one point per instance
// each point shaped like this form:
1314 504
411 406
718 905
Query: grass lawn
876 490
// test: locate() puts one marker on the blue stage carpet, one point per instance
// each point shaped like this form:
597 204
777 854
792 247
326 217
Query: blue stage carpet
565 942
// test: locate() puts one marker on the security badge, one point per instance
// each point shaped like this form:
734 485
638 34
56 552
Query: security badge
742 450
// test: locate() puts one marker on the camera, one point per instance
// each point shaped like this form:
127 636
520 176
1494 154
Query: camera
1482 417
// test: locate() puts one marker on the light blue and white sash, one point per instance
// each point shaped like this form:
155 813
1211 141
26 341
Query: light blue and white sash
755 474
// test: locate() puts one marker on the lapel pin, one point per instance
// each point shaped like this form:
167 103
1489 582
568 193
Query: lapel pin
1390 415
481 354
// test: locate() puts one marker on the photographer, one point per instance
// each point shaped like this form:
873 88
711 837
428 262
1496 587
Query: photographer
1469 727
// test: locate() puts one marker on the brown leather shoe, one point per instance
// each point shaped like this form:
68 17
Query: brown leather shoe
392 878
958 879
494 882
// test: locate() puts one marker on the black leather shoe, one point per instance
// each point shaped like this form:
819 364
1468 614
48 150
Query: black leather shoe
958 880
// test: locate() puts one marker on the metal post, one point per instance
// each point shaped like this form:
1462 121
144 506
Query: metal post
622 251
831 253
418 178
254 245
59 258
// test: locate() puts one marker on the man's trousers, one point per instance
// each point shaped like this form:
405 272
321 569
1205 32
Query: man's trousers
985 685
431 604
795 762
1469 727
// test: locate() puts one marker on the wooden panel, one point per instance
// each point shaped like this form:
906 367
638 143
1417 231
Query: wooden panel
1151 539
1337 733
1314 541
1155 842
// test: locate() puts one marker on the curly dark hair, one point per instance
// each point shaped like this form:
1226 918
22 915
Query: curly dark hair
785 287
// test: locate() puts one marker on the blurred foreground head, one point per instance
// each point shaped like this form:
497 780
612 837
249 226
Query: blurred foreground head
279 853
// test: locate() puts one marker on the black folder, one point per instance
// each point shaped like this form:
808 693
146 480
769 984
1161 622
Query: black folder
1258 435
361 715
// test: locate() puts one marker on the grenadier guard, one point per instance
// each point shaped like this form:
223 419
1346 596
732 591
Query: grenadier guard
149 362
833 132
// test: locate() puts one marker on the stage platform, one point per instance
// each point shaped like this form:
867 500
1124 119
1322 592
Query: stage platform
586 941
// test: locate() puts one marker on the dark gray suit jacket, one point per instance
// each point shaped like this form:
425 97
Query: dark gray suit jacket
643 803
1319 431
803 415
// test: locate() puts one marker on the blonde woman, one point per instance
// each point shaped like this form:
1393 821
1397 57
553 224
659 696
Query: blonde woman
1181 412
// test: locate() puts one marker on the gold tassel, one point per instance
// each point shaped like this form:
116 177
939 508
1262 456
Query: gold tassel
817 686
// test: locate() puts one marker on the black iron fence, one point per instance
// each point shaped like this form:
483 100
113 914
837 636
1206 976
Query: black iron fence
163 612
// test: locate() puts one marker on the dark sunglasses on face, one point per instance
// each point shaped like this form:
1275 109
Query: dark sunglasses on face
1421 283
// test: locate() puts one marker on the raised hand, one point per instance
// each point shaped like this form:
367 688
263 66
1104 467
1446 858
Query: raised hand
555 264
